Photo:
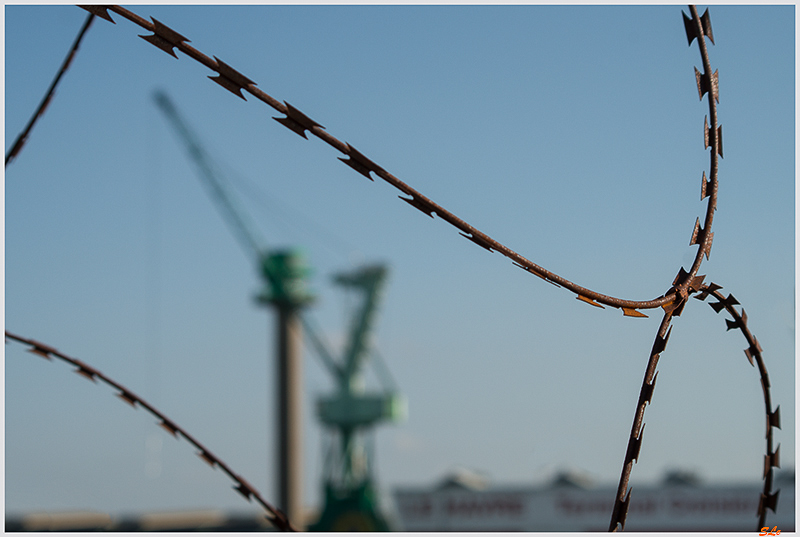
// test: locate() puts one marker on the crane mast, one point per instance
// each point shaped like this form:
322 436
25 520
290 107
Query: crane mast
284 273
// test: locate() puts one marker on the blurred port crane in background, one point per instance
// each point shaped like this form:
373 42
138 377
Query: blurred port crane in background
351 501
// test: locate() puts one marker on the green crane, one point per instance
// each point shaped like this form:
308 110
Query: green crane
285 274
350 414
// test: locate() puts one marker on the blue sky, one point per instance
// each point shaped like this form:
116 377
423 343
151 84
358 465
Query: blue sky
574 135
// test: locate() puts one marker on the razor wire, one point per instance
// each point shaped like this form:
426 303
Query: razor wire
697 27
768 499
23 136
274 515
168 40
672 301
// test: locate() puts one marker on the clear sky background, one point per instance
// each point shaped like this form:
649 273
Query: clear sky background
574 135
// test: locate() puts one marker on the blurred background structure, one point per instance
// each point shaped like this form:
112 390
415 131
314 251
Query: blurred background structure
465 501
587 159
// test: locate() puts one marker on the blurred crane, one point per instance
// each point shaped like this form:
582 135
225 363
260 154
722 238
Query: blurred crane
350 414
284 273
351 497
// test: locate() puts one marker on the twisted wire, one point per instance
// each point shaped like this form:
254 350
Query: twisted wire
274 515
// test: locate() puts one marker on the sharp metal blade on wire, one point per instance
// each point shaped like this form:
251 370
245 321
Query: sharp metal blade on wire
707 290
660 343
648 389
589 301
477 240
768 501
707 83
86 371
360 163
165 38
422 205
773 460
624 508
230 79
630 312
724 303
40 349
208 458
128 398
705 188
691 29
752 351
635 446
297 121
244 488
170 427
774 418
99 11
707 133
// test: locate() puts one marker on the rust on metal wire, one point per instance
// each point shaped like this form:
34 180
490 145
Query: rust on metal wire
164 38
768 499
231 79
623 495
297 121
360 163
98 11
276 516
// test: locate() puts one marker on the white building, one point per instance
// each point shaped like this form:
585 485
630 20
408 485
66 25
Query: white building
680 503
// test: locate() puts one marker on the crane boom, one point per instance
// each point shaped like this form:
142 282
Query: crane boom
240 226
370 280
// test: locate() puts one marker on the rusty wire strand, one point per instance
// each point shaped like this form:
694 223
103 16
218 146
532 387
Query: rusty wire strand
707 83
623 496
275 515
23 136
768 499
168 40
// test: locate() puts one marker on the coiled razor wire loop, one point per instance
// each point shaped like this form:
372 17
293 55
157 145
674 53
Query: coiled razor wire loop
768 500
274 515
672 302
23 136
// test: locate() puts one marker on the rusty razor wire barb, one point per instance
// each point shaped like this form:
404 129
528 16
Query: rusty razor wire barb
768 500
168 40
23 136
275 515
